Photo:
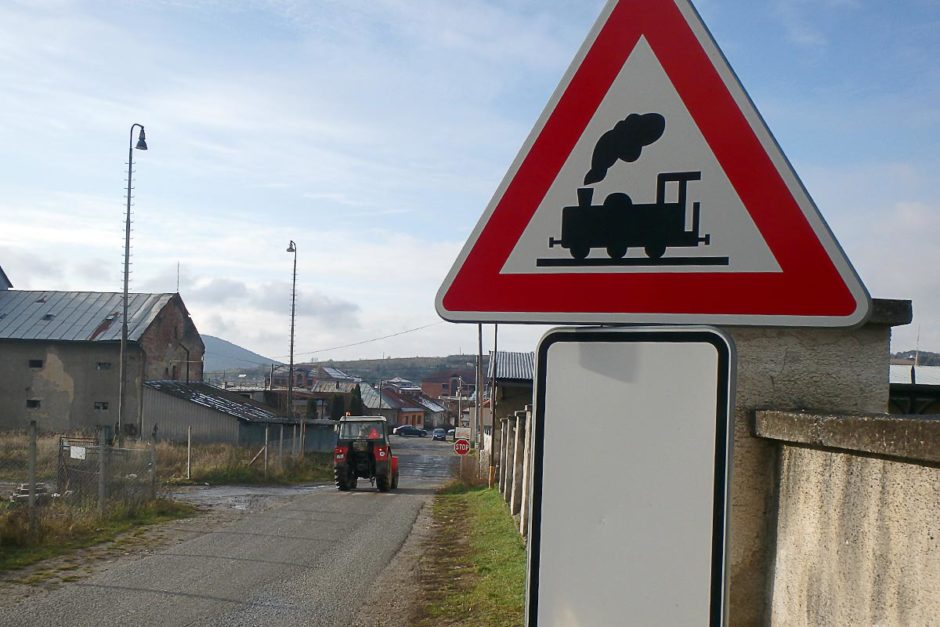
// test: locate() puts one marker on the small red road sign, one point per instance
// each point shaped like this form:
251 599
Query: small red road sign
650 190
462 447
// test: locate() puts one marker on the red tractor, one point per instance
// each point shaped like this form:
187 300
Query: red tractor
362 451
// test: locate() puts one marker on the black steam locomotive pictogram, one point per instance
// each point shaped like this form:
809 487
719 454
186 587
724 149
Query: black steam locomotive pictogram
619 224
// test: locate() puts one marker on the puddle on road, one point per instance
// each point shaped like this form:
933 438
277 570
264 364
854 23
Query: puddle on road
243 498
416 467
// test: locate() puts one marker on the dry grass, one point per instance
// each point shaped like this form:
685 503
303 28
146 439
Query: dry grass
62 527
224 463
14 457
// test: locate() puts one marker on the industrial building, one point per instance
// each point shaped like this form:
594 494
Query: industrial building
61 355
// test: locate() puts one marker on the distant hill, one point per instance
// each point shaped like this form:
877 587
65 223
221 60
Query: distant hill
924 358
223 355
412 368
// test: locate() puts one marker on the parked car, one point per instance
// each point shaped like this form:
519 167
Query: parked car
439 434
410 430
452 435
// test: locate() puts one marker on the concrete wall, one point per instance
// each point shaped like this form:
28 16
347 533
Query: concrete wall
829 370
510 398
857 525
67 386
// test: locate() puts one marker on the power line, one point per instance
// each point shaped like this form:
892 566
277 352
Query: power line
375 339
360 343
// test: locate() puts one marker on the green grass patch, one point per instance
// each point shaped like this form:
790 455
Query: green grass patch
62 528
475 574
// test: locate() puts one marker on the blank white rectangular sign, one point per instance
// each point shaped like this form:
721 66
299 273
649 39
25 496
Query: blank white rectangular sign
630 467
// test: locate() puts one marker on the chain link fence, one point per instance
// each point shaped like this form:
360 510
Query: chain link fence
45 476
52 483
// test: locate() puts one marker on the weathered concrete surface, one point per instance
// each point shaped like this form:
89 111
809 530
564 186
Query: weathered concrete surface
820 369
858 541
912 438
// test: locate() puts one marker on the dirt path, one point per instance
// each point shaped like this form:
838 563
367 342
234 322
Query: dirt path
396 597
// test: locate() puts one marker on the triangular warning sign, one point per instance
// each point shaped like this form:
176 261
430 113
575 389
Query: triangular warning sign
650 190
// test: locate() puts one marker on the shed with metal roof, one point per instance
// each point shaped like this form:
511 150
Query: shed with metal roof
215 415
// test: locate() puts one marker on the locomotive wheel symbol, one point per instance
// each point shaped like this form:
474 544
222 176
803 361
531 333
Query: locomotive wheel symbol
617 251
655 251
580 251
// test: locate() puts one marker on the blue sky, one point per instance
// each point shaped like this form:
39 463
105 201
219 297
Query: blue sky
373 133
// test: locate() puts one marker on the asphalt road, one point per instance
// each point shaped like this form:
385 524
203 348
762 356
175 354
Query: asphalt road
310 559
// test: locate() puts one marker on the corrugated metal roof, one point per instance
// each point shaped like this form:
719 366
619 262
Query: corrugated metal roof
924 375
370 398
430 405
218 399
511 366
5 282
75 316
334 387
335 373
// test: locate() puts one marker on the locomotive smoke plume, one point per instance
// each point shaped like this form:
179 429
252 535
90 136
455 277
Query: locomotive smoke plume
625 141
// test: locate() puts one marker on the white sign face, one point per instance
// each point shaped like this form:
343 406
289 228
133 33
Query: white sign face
462 433
630 468
734 243
77 452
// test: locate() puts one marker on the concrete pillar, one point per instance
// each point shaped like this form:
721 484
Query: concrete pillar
804 369
518 451
526 473
510 466
502 455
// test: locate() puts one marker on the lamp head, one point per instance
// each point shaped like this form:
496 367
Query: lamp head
292 247
142 140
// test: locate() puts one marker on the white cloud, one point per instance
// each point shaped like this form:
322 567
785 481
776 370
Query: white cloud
373 134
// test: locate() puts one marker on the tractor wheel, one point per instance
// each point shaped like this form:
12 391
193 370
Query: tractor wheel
616 251
580 251
655 251
381 482
342 480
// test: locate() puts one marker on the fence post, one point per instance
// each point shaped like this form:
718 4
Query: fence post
32 477
303 437
526 469
280 448
515 503
102 467
512 423
189 452
503 443
153 470
266 427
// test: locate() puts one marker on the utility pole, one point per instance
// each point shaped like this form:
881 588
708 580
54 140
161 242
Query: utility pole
479 384
494 363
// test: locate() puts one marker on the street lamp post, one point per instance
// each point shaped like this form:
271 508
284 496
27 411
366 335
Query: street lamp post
122 367
292 248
